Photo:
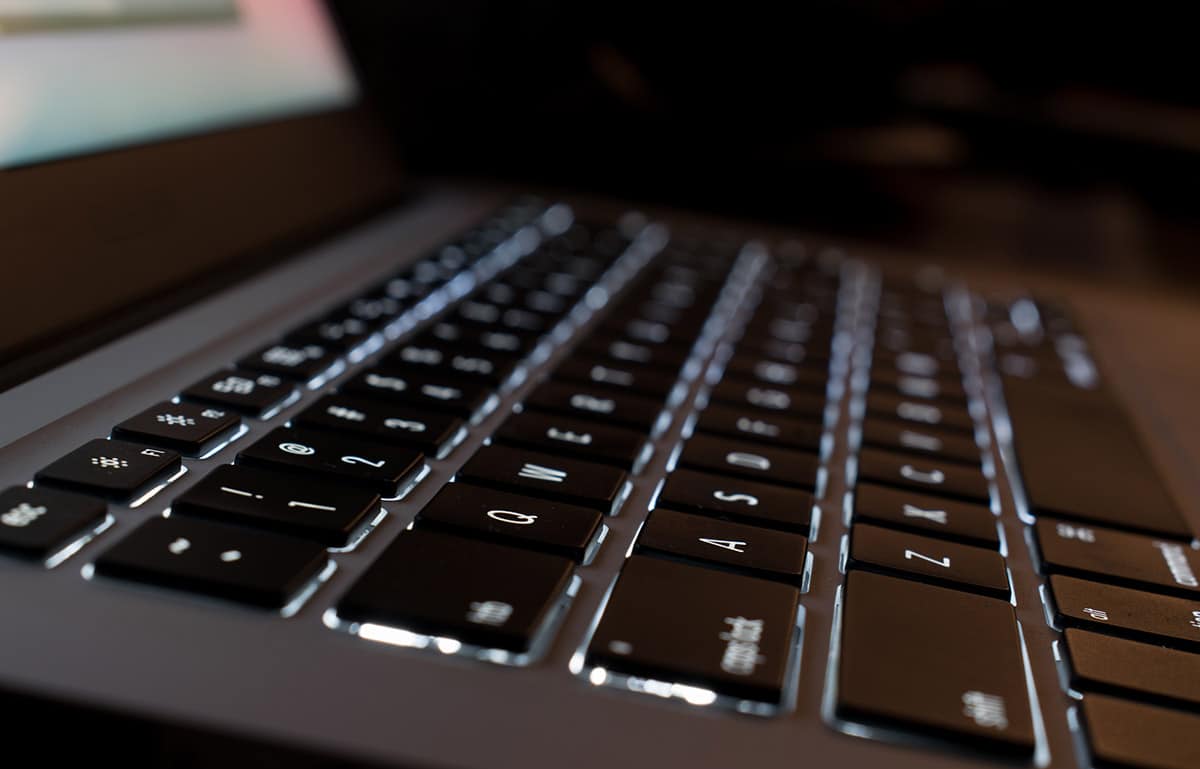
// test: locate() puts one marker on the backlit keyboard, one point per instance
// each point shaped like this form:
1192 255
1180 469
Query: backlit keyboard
766 415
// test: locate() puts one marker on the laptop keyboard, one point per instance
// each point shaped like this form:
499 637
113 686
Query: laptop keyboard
762 360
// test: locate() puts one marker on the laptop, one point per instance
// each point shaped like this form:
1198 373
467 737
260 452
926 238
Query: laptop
306 464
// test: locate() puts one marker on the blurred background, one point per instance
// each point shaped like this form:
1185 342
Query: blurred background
1063 135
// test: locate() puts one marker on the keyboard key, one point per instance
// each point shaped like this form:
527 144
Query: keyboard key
473 364
255 395
591 485
1130 734
513 519
296 362
507 342
1101 663
187 428
923 474
1081 458
1122 611
231 562
946 390
468 399
773 373
117 470
757 551
762 504
575 437
605 349
587 402
750 460
479 593
433 433
328 513
761 427
338 332
643 380
930 560
937 516
920 413
386 469
780 400
36 522
920 441
1115 556
943 662
684 624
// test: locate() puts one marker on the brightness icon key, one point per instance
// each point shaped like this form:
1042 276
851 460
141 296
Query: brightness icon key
191 429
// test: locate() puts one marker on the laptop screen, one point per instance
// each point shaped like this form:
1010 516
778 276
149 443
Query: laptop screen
84 75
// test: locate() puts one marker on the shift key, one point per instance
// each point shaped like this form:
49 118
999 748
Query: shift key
935 661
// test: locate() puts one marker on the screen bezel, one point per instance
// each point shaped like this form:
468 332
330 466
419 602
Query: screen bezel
199 196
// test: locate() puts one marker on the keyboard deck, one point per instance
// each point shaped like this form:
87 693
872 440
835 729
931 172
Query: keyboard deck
715 493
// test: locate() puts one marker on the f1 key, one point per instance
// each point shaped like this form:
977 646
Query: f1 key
941 662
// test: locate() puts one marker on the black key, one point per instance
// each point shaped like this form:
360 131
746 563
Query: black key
571 480
113 469
620 352
684 624
1104 608
476 592
942 662
938 516
762 504
1101 663
338 332
940 363
187 428
256 395
217 559
328 513
919 441
757 551
1130 734
433 433
513 519
934 476
773 373
1116 556
750 460
474 364
506 342
386 469
1081 458
937 388
781 401
468 399
643 414
761 427
36 522
500 317
920 413
930 560
644 380
575 437
297 362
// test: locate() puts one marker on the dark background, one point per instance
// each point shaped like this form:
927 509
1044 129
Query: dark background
1061 134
